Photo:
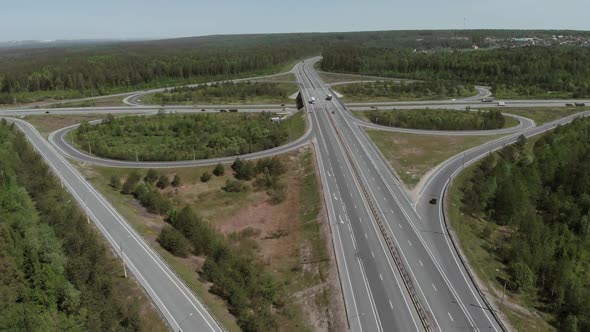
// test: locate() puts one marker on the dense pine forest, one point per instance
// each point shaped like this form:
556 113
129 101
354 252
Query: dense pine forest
539 199
242 92
63 73
55 273
438 119
187 136
547 72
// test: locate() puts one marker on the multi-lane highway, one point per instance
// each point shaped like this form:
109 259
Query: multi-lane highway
398 265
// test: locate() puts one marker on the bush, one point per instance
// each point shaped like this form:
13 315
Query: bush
219 170
173 241
234 186
206 176
163 181
176 181
278 192
203 238
243 169
151 176
129 185
272 166
522 276
152 200
115 182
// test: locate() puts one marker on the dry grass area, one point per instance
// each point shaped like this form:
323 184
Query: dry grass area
287 77
412 156
291 238
46 124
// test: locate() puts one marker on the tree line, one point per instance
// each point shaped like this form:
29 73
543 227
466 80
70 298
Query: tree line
403 91
529 72
223 92
185 136
116 69
56 273
438 119
541 196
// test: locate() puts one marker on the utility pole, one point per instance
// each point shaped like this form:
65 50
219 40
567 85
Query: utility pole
503 294
122 255
194 153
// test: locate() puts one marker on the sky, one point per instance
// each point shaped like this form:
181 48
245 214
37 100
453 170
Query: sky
151 19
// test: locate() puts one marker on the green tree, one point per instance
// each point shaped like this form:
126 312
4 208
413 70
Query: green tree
163 181
175 181
205 177
173 241
219 170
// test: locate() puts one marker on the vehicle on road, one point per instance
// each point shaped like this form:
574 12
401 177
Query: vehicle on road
487 100
432 201
223 111
501 103
580 104
312 100
233 110
329 97
569 104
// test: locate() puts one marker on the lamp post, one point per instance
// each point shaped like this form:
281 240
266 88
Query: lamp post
182 321
122 259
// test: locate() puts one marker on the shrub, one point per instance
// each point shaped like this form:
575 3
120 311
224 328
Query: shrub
243 169
176 181
115 182
151 176
206 176
129 185
272 166
234 186
163 181
219 170
173 241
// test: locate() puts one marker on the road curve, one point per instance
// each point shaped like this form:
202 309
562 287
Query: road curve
176 302
59 141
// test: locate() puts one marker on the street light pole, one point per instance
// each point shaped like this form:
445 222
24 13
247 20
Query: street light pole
121 248
182 321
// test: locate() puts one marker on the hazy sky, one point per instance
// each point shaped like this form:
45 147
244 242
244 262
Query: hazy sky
69 19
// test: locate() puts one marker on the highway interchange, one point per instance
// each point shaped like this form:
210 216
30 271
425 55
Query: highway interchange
399 268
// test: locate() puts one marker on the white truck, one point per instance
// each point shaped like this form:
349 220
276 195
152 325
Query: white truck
501 103
312 100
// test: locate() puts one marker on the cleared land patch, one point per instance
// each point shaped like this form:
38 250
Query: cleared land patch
413 155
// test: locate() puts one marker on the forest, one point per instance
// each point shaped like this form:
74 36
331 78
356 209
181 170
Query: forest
67 73
438 119
225 92
539 196
55 273
186 136
540 72
431 90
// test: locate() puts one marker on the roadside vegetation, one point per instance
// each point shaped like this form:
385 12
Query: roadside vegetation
225 93
440 119
102 102
544 114
412 155
57 273
532 72
532 205
394 91
186 136
254 245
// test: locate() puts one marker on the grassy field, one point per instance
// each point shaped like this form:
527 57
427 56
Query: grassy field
287 77
102 102
544 114
216 96
484 260
46 124
288 238
413 155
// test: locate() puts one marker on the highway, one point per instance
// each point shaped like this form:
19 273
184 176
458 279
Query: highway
397 262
